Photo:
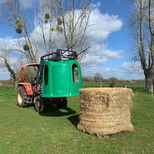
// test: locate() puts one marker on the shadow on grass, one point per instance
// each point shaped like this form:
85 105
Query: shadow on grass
54 111
74 119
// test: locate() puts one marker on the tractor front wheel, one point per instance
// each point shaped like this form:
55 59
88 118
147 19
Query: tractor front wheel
22 97
38 104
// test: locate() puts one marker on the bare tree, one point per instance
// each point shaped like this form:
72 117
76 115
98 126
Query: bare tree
13 16
142 24
73 17
10 70
98 77
60 23
70 20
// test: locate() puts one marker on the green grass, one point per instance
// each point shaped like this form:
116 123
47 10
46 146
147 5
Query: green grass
22 130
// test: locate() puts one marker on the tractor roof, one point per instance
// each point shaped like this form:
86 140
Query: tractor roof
32 64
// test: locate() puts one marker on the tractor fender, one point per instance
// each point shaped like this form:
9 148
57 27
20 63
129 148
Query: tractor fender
27 87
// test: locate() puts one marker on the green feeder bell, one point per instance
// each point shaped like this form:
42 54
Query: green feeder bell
61 78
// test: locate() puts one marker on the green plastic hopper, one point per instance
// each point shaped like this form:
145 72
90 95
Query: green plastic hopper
61 78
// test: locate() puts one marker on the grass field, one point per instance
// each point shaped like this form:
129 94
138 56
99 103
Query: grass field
22 130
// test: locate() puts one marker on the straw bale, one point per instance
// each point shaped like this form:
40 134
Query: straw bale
105 111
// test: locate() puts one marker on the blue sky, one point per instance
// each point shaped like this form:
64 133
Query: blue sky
119 39
115 46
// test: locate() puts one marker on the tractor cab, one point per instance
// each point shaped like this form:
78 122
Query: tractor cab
29 71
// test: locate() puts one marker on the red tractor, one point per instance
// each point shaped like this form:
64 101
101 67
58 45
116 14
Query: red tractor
27 88
57 76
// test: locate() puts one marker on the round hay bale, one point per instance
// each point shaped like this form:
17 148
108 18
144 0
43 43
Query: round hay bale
105 111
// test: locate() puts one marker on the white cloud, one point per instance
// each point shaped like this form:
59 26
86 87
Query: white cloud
14 62
106 72
127 71
99 54
110 72
99 29
132 70
10 43
27 3
101 25
24 3
57 39
3 1
96 5
4 74
7 47
2 65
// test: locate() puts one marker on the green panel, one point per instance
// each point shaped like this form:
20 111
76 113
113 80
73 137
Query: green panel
60 79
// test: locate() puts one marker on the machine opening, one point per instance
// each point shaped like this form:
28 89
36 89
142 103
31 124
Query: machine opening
46 70
75 73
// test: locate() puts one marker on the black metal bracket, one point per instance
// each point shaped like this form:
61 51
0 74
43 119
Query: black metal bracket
60 54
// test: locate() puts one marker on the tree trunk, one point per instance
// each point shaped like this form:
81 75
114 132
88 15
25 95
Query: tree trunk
152 72
149 83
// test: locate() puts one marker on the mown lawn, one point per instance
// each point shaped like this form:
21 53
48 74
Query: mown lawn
22 130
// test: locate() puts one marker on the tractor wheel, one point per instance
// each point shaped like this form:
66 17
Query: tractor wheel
38 104
62 103
22 97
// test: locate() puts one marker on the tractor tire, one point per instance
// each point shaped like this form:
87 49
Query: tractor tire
39 105
62 103
22 97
